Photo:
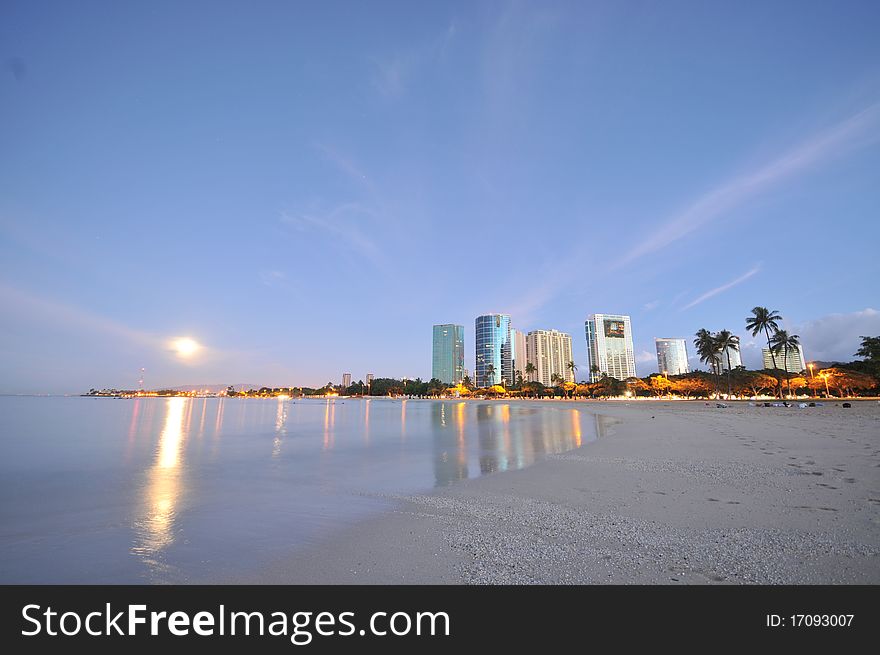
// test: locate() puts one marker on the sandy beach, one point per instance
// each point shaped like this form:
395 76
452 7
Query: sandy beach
674 493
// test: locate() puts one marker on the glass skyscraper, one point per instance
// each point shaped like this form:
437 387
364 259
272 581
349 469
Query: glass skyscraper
672 357
448 351
610 346
494 356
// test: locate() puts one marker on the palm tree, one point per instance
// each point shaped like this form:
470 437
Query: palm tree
519 379
490 375
764 320
724 343
783 341
557 380
707 349
530 370
594 372
571 366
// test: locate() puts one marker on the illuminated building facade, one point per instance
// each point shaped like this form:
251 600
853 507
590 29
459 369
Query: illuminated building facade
610 346
494 350
448 353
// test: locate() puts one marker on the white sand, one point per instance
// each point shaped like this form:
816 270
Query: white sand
678 493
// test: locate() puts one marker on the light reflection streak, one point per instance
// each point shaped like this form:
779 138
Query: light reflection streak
202 421
462 444
329 421
403 419
132 428
576 427
154 529
219 420
367 421
280 429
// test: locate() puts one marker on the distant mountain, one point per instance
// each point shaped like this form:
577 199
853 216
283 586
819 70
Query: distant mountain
820 364
215 387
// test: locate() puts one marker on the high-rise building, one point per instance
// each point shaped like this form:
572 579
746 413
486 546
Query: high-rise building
794 363
346 380
369 379
735 359
550 352
610 346
494 361
672 356
519 356
448 353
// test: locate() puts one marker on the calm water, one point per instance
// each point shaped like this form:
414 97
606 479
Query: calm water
195 490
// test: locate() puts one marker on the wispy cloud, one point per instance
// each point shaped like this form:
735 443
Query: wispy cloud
724 287
392 75
339 223
22 303
272 278
858 130
650 306
346 165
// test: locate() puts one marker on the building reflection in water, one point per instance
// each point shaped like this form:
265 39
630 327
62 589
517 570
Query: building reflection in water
508 436
449 444
154 527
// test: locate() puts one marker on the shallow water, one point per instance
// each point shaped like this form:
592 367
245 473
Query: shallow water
160 490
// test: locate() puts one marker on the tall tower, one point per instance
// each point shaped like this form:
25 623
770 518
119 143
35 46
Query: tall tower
672 358
610 346
550 352
447 356
494 356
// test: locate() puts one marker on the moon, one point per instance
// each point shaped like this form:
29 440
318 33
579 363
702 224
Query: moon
185 348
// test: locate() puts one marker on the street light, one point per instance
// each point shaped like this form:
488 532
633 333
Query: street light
824 376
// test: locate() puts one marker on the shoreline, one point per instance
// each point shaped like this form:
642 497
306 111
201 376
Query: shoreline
676 493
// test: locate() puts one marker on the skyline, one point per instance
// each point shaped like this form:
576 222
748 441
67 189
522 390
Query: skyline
216 215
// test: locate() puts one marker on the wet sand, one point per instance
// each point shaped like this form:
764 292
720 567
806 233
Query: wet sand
676 493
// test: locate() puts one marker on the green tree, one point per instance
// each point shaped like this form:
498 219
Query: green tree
870 349
764 320
724 343
707 350
530 371
490 375
782 341
571 366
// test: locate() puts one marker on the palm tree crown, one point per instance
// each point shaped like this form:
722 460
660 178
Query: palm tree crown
764 320
782 341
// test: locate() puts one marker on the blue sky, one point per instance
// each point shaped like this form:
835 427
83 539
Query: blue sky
304 189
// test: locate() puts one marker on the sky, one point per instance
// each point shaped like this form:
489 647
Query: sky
303 189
